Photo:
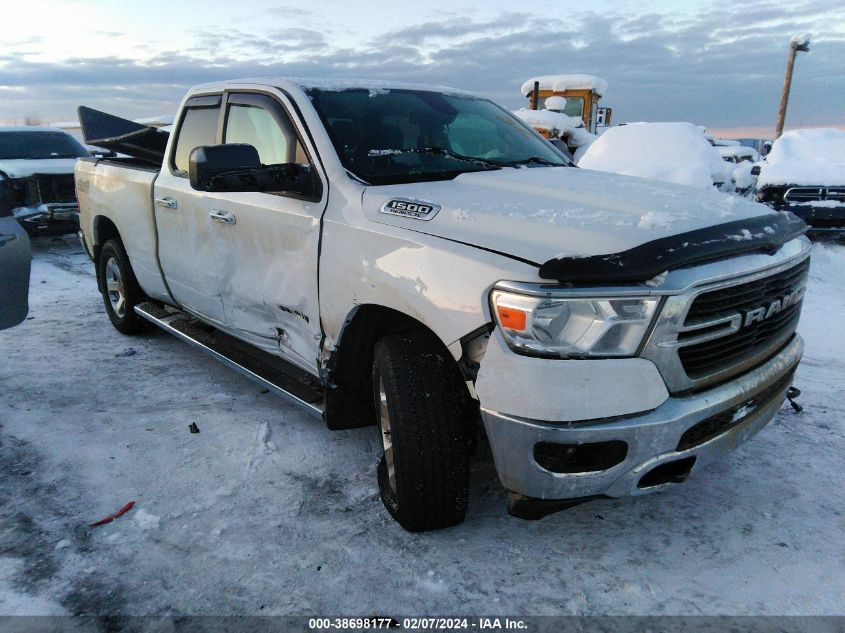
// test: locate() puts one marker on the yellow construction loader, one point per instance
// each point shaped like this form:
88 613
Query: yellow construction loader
574 95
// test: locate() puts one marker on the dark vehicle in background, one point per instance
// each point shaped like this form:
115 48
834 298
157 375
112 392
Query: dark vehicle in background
14 264
805 173
38 165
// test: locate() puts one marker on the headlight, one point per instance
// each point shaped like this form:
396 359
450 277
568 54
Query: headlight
573 327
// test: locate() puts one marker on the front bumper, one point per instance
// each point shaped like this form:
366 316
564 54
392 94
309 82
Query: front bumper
740 408
48 213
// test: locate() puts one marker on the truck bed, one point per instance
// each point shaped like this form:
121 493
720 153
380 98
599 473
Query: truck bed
120 190
125 161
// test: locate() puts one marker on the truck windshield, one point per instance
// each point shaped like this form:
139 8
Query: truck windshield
39 145
394 136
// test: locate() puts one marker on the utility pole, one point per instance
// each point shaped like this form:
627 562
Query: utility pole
798 43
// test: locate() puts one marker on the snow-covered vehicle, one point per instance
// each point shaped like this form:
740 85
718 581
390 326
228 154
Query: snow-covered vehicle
805 173
737 154
741 160
38 162
579 92
14 263
421 260
672 152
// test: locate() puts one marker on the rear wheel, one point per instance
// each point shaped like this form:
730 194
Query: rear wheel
425 424
120 290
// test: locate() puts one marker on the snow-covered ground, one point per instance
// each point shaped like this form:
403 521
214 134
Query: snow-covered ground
267 512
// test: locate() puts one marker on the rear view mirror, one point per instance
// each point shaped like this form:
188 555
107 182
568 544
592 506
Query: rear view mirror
208 162
234 167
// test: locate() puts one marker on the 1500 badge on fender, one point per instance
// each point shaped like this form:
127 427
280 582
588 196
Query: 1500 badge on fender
405 207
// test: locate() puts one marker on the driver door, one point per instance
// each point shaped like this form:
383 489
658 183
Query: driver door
268 248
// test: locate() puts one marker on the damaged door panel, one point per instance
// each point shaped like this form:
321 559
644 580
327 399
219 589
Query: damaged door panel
268 258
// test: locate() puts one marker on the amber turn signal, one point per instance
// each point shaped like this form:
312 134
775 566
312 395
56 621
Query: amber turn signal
511 318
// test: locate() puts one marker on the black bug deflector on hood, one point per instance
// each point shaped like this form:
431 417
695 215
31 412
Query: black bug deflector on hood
641 263
123 136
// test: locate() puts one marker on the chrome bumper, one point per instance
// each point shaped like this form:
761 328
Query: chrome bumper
652 438
52 212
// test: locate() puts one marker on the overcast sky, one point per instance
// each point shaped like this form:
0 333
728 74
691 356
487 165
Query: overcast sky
716 63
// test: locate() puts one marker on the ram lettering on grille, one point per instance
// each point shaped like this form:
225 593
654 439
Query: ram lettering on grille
778 305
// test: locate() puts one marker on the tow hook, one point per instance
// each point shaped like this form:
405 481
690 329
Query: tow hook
793 394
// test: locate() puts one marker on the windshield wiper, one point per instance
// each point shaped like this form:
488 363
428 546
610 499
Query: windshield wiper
536 160
437 151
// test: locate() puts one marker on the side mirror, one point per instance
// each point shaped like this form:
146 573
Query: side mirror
755 170
236 167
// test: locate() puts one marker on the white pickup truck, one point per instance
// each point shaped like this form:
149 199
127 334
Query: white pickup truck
419 259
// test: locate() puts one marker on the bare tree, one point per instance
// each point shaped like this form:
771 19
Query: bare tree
33 119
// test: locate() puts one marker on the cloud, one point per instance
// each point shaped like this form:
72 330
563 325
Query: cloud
722 66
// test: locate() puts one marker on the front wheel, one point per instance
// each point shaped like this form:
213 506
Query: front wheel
120 290
425 425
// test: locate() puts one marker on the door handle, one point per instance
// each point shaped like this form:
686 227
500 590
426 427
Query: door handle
167 203
225 217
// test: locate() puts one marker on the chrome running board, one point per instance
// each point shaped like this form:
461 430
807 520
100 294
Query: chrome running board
271 372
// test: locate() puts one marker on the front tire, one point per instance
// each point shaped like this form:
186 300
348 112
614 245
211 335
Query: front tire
425 422
120 290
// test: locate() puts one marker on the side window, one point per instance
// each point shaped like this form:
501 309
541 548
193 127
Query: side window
262 123
199 127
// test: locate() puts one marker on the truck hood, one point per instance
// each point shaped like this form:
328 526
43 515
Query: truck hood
22 167
538 214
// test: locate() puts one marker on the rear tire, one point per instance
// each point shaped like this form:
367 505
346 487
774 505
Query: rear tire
425 422
120 290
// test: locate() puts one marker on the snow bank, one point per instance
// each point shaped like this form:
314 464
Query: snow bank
672 152
806 157
559 83
548 119
568 128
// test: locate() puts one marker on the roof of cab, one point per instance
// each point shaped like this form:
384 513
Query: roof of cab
304 83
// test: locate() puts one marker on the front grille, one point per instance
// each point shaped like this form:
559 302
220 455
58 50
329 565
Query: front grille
813 194
826 223
50 188
747 296
703 359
